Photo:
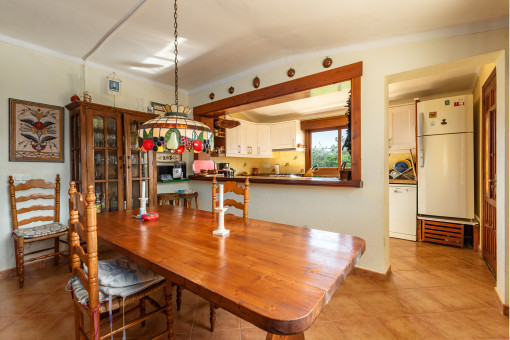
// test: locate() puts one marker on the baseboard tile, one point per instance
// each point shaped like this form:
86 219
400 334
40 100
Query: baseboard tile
44 263
502 306
373 275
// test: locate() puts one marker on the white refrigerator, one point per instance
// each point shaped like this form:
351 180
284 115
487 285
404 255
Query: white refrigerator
446 158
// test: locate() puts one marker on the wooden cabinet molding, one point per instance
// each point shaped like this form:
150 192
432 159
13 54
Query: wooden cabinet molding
299 88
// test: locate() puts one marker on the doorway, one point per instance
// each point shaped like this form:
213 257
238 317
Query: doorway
489 180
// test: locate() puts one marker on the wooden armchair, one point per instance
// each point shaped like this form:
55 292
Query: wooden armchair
236 189
28 235
88 286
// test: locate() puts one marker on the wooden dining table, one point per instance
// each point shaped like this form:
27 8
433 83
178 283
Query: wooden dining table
277 277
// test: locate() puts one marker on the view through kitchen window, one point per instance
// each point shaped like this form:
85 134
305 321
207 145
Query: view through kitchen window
326 148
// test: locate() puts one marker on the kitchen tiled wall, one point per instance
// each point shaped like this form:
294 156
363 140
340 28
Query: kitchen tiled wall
290 162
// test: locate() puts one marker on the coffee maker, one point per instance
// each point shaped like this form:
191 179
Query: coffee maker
225 170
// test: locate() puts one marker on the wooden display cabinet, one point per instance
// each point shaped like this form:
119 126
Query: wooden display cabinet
106 154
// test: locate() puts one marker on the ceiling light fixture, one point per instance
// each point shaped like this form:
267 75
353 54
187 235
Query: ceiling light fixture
175 131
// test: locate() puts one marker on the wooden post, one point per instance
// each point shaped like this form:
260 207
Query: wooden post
57 199
74 238
90 212
214 194
246 197
14 214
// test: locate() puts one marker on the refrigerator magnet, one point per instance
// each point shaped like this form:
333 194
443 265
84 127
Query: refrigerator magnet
432 114
446 102
456 104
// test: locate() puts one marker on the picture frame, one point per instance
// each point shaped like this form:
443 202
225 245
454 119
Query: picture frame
113 85
158 108
36 132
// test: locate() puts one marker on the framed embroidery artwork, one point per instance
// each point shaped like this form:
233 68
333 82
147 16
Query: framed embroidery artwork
36 132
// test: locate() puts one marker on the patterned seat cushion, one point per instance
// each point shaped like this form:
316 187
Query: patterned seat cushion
41 230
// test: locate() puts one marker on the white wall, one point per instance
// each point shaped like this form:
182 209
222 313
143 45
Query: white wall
38 77
364 212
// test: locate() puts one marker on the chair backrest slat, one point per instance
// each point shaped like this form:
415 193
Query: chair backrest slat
235 188
35 219
233 203
36 208
78 254
82 254
34 184
34 197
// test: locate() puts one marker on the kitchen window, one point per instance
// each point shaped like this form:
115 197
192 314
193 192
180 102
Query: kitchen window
327 149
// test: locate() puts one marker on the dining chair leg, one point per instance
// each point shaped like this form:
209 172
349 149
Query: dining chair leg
142 310
179 298
57 249
196 202
78 321
168 310
16 254
212 316
20 260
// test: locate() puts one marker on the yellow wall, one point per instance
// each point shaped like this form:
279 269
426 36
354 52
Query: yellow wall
485 72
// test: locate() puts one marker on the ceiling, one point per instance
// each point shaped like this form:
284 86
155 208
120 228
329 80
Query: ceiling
221 39
446 81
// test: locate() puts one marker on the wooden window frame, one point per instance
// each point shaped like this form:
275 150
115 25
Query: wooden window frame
296 89
308 151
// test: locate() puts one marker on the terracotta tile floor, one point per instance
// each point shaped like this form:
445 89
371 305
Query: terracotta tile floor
434 292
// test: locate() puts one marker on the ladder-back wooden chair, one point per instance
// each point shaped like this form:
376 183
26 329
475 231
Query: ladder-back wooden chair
237 189
169 198
28 235
88 285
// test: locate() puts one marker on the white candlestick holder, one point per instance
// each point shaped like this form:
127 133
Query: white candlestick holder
143 203
221 222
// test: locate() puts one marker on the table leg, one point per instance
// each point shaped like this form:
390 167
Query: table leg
300 336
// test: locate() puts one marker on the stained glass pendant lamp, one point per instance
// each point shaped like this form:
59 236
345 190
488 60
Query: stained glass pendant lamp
175 131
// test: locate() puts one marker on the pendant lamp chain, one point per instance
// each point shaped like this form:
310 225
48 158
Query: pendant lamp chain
175 54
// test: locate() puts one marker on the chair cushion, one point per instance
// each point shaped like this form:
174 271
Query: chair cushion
81 293
121 272
41 230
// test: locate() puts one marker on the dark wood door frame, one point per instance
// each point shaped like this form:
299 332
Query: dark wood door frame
488 128
294 89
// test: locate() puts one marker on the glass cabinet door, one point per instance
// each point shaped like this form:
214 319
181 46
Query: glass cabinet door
140 171
108 162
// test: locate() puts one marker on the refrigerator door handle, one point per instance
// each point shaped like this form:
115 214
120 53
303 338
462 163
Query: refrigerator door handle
420 151
420 124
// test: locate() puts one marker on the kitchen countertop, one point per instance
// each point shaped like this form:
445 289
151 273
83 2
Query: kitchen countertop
318 181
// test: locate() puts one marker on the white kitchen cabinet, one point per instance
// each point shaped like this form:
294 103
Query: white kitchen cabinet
232 142
286 135
264 140
249 130
402 131
242 141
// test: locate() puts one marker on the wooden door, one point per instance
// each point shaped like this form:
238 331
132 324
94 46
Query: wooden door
105 152
489 172
140 166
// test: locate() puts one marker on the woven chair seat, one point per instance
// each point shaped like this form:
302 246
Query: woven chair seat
41 230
